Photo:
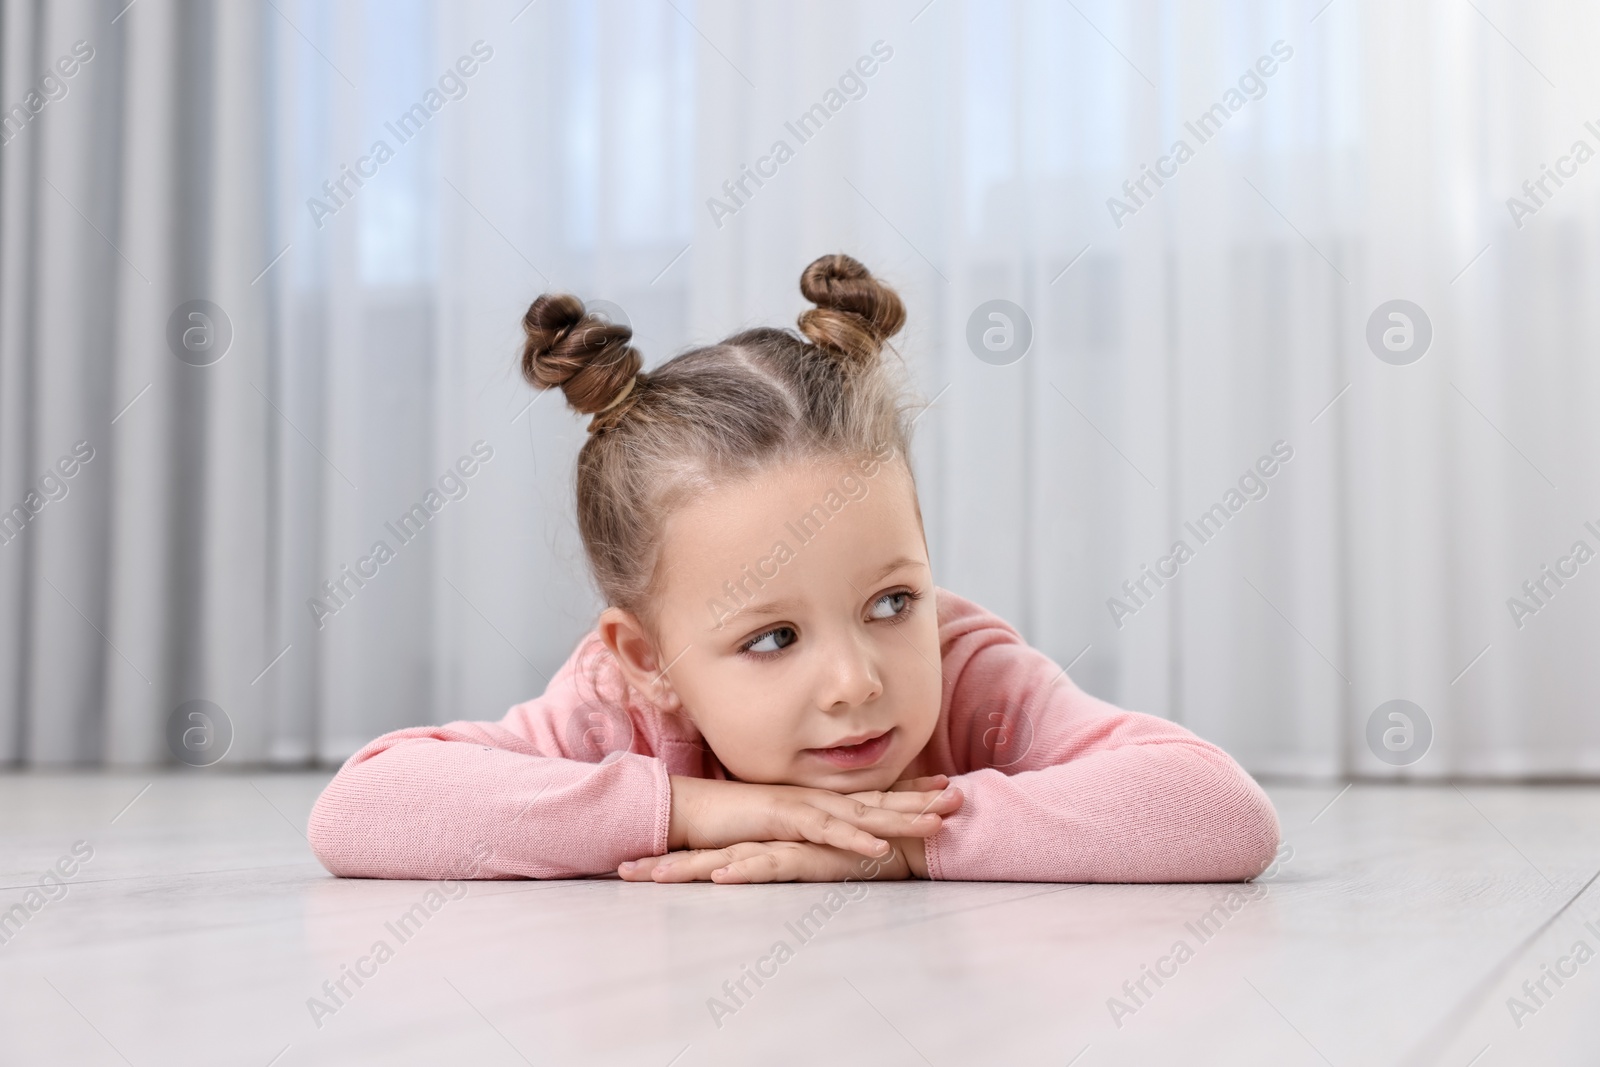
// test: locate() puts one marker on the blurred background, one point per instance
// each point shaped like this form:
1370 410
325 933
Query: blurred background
262 266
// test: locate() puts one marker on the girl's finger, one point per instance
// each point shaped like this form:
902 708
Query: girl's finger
822 827
941 801
932 781
638 870
691 867
840 821
697 866
774 865
824 817
888 813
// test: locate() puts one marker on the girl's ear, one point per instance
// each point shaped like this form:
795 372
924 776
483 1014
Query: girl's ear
636 654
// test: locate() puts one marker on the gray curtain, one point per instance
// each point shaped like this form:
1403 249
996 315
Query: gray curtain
221 544
142 580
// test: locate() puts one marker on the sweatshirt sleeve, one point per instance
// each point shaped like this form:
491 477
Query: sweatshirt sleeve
1063 787
564 786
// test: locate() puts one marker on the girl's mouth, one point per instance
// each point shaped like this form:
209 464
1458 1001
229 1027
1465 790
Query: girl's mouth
864 754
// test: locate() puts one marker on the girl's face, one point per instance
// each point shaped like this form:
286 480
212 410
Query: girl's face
797 625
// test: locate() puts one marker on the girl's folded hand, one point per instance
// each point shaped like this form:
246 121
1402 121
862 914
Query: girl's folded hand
712 814
767 861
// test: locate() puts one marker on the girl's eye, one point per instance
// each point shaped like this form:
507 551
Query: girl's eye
774 640
889 607
906 596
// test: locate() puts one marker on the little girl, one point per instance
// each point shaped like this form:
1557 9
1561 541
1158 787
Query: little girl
778 691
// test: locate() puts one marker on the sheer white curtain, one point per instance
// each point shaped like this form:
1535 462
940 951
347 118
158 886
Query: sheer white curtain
968 154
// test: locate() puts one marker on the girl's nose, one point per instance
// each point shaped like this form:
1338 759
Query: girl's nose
850 676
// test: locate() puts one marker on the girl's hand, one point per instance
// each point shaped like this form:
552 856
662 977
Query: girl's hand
712 814
933 785
768 861
932 781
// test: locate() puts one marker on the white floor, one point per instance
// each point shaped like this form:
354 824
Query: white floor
201 927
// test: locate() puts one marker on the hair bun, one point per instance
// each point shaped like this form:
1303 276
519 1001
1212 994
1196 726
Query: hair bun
855 313
588 357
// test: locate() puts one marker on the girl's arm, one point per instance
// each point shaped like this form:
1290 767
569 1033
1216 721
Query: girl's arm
1061 786
482 800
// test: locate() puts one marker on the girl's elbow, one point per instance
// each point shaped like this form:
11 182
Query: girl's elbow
327 841
1241 832
1255 831
336 836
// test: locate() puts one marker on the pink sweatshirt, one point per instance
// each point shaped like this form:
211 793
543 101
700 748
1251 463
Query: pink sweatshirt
1060 786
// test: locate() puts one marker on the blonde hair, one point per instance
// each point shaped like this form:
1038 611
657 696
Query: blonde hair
717 414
